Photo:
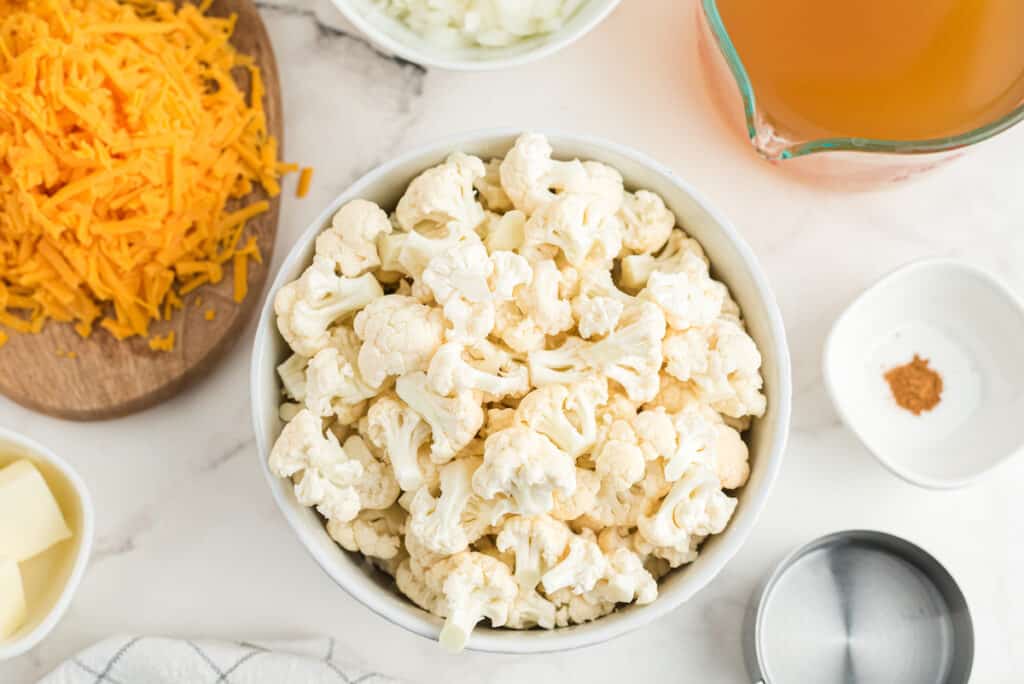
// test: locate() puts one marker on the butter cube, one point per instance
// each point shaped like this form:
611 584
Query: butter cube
12 598
30 518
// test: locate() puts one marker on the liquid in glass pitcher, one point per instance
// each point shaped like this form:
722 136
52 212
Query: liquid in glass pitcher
865 91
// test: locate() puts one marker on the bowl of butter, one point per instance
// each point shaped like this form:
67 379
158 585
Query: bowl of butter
46 533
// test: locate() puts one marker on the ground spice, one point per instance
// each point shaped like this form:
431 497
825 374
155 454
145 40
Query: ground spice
915 386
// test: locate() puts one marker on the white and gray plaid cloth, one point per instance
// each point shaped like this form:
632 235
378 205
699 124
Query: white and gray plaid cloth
156 660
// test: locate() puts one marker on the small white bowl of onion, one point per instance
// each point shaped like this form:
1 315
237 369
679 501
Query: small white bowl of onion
732 262
472 42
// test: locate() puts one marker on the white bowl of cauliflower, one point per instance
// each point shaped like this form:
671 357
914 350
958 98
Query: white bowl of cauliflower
521 393
474 35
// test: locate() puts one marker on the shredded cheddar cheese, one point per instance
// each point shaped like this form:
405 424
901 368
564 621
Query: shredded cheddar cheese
210 314
305 178
126 151
163 343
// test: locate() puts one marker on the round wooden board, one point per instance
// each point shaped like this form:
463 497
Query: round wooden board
105 378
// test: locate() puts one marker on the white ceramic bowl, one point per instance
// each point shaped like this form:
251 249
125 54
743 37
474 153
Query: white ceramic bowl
732 262
396 38
52 577
969 327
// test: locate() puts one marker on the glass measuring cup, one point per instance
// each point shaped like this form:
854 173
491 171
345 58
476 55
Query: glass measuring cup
840 161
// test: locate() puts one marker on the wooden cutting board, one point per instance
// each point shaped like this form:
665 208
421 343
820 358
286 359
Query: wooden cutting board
106 378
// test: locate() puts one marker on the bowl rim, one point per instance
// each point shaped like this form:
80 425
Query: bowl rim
35 450
520 642
997 286
555 41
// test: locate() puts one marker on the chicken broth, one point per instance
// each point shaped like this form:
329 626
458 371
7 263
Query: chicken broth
906 70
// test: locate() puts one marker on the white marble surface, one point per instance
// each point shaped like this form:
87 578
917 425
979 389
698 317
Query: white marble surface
191 544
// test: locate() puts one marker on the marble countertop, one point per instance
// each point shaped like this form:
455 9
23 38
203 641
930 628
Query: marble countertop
191 544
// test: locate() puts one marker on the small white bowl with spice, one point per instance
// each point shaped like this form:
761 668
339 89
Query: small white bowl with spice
925 368
474 36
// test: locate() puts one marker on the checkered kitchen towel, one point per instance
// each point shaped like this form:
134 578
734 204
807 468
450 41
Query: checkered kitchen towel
154 660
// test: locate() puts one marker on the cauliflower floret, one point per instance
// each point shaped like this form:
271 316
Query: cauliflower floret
695 442
580 569
350 244
376 533
459 280
401 433
622 508
449 523
724 365
510 271
517 329
451 372
631 355
677 255
538 544
695 507
378 489
527 467
506 232
582 499
538 311
569 279
389 251
532 179
468 282
334 385
400 335
491 193
626 580
647 222
293 376
307 307
540 302
565 415
577 224
329 476
469 322
655 432
619 464
689 299
529 174
673 395
619 407
410 577
672 556
604 184
463 271
598 305
640 437
475 586
731 457
443 195
573 609
417 250
531 609
453 421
